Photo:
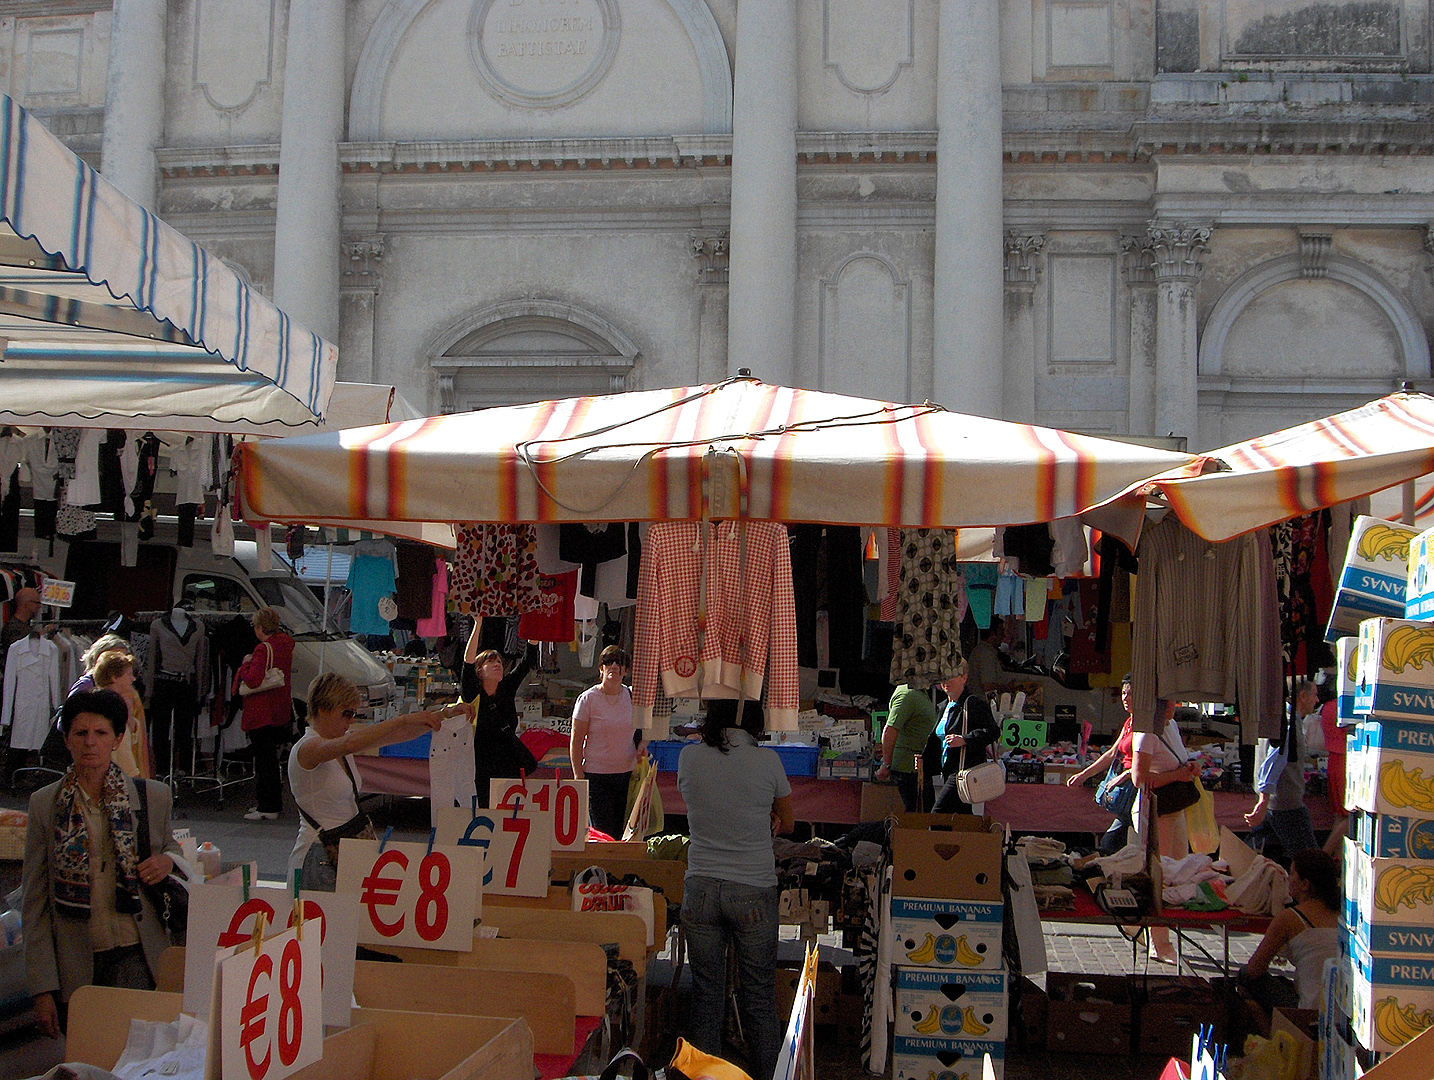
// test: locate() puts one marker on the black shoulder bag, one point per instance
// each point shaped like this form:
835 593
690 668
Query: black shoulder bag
171 896
321 863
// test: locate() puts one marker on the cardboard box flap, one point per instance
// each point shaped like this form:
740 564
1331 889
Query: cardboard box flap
1412 1061
947 822
1236 852
957 865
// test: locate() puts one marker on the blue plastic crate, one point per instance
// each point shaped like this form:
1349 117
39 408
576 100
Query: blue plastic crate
797 759
412 748
665 751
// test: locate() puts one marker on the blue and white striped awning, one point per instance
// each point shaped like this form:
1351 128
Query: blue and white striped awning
95 284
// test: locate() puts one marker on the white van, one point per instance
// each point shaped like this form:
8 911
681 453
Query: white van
167 574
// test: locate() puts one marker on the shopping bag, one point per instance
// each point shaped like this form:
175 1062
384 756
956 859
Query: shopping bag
592 891
1200 823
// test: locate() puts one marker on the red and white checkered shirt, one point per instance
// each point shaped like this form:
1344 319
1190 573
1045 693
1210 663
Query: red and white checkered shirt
751 623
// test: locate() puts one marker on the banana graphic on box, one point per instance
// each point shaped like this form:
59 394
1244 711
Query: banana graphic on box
931 1024
1400 788
1404 886
1382 541
925 952
1351 667
1408 646
967 955
1396 1024
970 1025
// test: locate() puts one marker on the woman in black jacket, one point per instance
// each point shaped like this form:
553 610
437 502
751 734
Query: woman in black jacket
966 729
497 750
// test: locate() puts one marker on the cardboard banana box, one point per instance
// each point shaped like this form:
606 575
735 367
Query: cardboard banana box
1393 836
1395 670
1375 575
951 1004
1389 768
922 1057
1419 583
962 935
1394 897
1392 997
1346 651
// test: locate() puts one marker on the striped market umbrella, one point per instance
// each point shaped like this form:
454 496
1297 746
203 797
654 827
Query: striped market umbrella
735 448
1287 473
105 308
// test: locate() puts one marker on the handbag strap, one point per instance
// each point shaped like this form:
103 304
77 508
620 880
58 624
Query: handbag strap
343 761
142 845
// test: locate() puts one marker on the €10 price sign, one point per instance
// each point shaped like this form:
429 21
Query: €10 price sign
413 894
271 1020
517 846
567 800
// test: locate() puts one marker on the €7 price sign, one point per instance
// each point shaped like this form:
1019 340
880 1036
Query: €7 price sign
566 799
271 1020
517 846
411 894
221 916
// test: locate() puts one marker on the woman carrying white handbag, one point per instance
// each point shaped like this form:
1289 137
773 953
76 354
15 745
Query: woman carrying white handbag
966 730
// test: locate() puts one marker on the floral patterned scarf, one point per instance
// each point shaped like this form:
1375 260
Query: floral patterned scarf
72 847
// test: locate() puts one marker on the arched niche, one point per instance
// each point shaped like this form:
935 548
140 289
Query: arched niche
1347 323
865 329
528 350
398 18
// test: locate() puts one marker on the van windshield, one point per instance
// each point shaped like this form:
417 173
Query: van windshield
305 616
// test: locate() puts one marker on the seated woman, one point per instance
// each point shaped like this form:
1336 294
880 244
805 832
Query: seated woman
115 671
1307 931
87 920
321 775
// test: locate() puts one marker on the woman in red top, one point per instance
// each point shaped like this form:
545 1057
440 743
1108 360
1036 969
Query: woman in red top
1123 749
267 713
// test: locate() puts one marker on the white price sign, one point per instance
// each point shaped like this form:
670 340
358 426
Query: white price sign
57 593
516 845
270 1007
220 917
566 799
411 894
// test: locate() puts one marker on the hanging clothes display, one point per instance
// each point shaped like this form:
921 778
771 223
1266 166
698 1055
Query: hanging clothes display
589 545
495 570
372 576
1206 626
827 575
450 766
1306 590
415 580
435 622
714 615
32 691
930 607
553 621
177 677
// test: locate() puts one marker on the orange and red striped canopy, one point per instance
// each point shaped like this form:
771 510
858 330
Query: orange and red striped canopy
739 447
1293 471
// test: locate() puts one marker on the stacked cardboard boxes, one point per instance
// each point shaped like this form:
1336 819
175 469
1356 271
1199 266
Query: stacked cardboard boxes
946 915
1386 973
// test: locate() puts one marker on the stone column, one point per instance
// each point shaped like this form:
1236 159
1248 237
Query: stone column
762 294
710 249
134 99
1140 280
307 219
362 281
1022 272
1176 252
967 329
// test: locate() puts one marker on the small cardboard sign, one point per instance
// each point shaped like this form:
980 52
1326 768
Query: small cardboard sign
567 800
413 894
57 593
270 1007
515 846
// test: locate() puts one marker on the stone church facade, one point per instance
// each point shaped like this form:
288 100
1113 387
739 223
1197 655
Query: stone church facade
1194 218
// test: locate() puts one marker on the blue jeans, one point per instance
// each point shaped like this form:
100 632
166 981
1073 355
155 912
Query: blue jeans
1291 827
714 915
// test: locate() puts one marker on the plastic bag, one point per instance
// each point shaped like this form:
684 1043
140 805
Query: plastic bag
1275 1058
1200 823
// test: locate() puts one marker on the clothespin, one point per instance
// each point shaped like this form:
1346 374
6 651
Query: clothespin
244 873
259 918
298 909
517 805
475 805
384 842
432 835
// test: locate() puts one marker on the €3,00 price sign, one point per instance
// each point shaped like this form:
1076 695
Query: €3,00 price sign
271 1020
221 916
411 894
566 799
517 846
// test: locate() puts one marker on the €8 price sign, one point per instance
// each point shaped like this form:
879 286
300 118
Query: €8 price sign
517 846
271 1020
567 800
221 916
411 894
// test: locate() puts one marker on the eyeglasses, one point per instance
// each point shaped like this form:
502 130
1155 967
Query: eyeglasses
349 714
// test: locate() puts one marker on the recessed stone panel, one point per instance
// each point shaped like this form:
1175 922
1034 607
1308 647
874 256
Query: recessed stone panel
1082 309
1312 28
53 62
543 52
866 331
1312 329
233 50
867 43
1078 33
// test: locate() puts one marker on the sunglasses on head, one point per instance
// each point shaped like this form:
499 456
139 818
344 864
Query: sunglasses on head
349 714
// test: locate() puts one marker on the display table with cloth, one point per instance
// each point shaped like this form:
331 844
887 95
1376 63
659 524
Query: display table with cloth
1178 919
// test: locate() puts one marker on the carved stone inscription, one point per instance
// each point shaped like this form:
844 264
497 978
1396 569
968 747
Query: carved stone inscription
543 53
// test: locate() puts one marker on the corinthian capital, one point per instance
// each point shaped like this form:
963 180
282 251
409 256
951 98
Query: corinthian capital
1176 251
1021 251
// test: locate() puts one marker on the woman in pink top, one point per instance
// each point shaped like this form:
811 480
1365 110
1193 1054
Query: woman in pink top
602 745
